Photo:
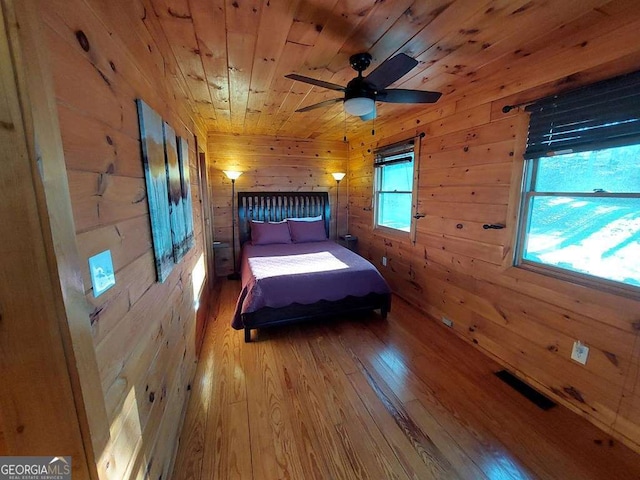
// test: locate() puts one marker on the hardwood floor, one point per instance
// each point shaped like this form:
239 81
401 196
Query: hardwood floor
367 398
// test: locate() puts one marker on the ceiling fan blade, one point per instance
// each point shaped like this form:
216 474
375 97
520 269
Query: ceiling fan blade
319 105
399 95
369 116
391 70
313 81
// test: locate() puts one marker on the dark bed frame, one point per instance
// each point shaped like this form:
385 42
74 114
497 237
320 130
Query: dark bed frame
278 206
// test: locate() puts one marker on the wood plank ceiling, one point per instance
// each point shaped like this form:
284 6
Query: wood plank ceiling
233 54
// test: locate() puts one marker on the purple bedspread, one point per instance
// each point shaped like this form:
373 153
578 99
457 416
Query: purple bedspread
279 275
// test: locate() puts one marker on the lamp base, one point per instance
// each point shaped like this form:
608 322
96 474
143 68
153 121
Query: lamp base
233 276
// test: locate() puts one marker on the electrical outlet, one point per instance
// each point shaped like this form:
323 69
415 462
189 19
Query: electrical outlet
448 322
384 261
580 352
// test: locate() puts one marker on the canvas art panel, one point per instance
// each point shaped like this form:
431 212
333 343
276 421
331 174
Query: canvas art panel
155 171
176 210
183 156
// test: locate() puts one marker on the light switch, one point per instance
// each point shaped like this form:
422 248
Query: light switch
102 275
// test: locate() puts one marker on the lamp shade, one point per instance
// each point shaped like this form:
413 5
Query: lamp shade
359 106
232 174
338 176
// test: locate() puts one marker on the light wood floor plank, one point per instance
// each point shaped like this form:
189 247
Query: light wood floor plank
227 437
480 446
483 411
356 426
453 451
294 390
545 445
403 435
271 420
263 452
361 397
304 380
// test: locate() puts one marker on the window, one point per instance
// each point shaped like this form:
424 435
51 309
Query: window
580 217
394 186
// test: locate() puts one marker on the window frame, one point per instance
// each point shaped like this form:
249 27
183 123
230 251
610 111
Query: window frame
591 118
524 219
377 181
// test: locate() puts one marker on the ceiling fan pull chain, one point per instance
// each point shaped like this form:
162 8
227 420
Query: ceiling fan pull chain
373 129
345 125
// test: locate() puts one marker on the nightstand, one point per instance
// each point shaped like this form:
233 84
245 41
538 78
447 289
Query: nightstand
349 241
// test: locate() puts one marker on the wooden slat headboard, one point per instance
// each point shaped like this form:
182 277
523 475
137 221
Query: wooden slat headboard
278 206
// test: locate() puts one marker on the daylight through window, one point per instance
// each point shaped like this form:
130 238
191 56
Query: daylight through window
394 186
581 204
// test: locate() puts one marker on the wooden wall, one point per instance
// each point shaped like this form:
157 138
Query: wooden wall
271 164
470 172
104 55
38 410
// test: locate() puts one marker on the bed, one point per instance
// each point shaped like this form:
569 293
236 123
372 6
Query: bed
286 282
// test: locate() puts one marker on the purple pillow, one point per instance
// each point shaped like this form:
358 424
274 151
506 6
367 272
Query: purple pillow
268 233
302 232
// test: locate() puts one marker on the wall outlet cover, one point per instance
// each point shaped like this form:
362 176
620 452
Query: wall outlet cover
580 352
384 261
448 322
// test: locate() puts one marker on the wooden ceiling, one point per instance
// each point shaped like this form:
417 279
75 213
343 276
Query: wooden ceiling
233 54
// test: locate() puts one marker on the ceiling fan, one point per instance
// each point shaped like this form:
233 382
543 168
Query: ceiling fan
362 93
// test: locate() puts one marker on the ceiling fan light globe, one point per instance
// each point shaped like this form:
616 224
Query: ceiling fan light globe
359 106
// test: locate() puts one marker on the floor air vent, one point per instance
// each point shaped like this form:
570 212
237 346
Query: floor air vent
536 397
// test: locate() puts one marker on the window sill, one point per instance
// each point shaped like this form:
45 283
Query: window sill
392 232
579 279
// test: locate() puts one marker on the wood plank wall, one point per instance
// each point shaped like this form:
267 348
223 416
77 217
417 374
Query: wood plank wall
470 172
271 164
103 56
38 409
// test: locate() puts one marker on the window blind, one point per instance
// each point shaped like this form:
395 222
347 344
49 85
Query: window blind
603 115
401 152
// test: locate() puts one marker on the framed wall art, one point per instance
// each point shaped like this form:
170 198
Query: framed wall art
155 171
183 156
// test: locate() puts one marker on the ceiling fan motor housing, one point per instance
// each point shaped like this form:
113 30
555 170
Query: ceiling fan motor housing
358 88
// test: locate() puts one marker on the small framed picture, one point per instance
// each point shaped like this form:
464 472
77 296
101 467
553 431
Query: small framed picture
102 275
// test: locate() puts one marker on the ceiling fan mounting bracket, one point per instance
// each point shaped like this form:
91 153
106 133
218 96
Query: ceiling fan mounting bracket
360 61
